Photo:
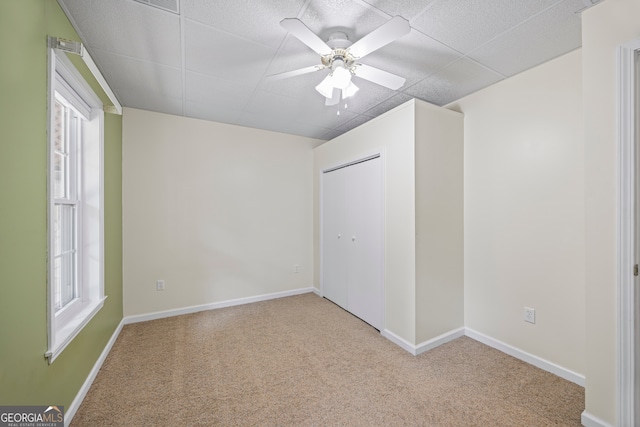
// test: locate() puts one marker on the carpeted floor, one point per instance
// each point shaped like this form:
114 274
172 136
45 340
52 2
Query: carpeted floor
303 361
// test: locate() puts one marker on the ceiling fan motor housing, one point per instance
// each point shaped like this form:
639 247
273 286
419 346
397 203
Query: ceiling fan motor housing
339 43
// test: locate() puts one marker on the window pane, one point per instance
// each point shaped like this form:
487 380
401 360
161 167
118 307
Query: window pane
56 230
57 279
68 228
58 127
65 255
59 176
68 288
61 142
64 276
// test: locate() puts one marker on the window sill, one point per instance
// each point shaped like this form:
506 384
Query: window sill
65 335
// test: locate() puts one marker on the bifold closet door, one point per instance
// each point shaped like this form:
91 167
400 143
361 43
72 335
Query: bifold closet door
365 256
352 253
334 250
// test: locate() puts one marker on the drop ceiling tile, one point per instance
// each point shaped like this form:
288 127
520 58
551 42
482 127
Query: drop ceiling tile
128 28
389 104
302 86
311 111
293 55
414 57
241 16
154 102
353 17
219 54
548 35
453 82
214 91
464 25
331 134
130 78
354 123
216 113
407 9
260 121
369 95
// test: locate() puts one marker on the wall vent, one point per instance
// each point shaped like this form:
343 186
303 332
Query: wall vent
172 6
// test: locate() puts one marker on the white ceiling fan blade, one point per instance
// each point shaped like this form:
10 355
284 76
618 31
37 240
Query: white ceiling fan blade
334 99
305 35
383 35
293 73
379 76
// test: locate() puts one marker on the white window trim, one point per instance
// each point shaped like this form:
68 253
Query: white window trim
60 334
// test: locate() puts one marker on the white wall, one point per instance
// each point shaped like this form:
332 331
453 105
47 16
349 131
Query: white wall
604 28
524 211
218 211
391 134
439 298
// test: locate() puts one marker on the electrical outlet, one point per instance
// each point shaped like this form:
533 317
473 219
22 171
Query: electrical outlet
296 268
529 315
159 285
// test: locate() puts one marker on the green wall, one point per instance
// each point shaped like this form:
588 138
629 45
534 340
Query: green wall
25 376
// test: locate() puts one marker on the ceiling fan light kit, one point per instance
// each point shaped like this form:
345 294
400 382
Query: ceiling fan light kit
340 56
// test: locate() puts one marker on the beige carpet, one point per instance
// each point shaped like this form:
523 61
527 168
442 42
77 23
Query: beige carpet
303 361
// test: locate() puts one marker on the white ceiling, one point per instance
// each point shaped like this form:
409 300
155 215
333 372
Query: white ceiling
210 60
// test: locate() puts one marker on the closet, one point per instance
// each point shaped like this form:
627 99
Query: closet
352 238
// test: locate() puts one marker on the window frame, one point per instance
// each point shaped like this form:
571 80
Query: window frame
66 83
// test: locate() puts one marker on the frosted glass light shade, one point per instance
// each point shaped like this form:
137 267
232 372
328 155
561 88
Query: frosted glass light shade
349 90
341 77
326 87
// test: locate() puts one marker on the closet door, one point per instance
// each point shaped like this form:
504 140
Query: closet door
334 237
352 227
365 252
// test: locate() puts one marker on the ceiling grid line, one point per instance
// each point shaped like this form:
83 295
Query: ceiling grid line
302 10
506 32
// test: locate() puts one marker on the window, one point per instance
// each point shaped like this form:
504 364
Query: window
75 279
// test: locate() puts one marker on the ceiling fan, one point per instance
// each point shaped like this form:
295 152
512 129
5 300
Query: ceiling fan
341 57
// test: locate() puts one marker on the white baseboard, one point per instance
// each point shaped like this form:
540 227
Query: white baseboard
527 357
399 341
316 291
73 408
439 340
589 420
196 308
423 346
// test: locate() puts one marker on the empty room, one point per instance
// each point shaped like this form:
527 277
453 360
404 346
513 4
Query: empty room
320 212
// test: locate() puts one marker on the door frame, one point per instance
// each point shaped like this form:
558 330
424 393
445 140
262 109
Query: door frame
627 58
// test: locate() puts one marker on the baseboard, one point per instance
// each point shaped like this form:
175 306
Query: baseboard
316 291
439 340
73 408
527 357
204 307
399 341
423 346
589 420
